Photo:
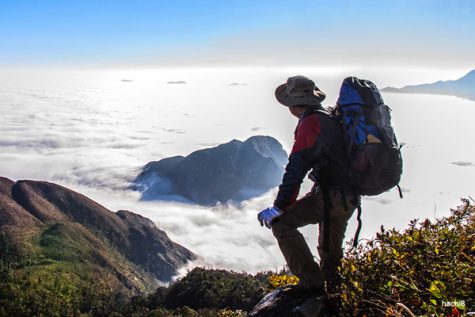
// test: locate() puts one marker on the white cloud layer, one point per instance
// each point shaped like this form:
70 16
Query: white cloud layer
92 132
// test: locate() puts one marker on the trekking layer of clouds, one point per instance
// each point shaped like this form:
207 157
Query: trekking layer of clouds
95 140
100 160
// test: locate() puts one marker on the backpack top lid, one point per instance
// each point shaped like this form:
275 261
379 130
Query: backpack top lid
359 91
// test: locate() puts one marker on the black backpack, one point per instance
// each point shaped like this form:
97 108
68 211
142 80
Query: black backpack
374 156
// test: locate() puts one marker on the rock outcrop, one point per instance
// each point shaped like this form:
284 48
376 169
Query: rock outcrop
279 304
233 171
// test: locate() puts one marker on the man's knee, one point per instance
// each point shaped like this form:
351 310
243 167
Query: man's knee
281 230
277 229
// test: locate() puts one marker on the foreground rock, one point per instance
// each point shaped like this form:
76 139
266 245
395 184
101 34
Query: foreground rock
56 230
233 171
278 304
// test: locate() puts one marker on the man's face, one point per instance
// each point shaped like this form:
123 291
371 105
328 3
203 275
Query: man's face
296 111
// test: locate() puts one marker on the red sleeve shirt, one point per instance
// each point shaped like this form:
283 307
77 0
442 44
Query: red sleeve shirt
301 160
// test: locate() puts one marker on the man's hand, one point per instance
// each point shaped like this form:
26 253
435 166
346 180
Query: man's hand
266 216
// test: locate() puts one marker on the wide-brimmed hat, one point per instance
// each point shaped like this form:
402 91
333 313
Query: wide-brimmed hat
299 91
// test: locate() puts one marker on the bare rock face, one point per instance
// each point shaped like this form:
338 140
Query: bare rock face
279 304
52 223
233 171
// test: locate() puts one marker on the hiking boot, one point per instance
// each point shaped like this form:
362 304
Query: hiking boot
332 307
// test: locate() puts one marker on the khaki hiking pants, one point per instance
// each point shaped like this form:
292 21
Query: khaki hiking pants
309 210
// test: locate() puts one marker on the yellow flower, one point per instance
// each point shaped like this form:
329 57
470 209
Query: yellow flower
276 281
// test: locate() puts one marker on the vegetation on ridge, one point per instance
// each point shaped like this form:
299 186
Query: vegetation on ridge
398 273
420 269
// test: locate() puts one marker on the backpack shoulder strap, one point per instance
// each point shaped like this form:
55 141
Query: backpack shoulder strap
322 111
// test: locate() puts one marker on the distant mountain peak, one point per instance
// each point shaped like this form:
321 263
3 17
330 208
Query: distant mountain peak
470 75
233 171
463 87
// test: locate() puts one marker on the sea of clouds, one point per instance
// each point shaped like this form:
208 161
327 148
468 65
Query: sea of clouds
93 131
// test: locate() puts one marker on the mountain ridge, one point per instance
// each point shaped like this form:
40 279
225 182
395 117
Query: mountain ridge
463 87
53 226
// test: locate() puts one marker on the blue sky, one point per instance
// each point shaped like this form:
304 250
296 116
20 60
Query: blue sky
259 32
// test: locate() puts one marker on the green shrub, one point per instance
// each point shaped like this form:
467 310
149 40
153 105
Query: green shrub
203 288
417 269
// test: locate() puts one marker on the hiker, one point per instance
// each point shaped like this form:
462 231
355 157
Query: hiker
318 147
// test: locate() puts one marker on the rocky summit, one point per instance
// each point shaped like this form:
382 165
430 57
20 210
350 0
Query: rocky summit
233 171
53 231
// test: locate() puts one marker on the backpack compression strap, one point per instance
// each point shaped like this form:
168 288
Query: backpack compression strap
355 239
353 133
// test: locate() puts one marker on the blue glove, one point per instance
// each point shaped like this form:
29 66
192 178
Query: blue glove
266 216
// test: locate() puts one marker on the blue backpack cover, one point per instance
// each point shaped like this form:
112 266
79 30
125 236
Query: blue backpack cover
374 156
